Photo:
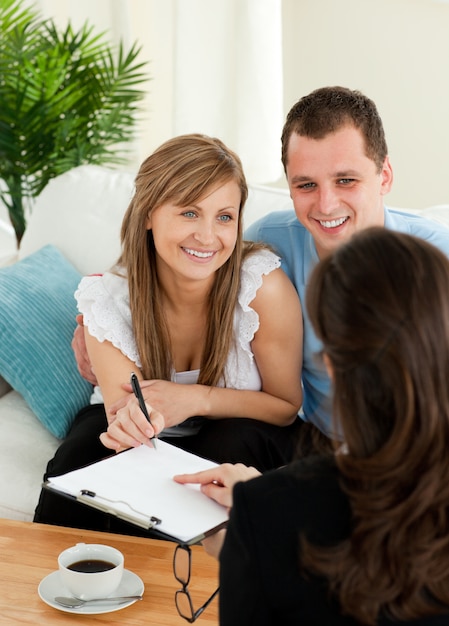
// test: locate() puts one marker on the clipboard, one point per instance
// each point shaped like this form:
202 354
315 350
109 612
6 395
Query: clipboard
137 486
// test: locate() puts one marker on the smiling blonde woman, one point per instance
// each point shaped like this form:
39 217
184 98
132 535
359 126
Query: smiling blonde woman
211 325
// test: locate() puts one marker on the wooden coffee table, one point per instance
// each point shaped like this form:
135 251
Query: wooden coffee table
28 553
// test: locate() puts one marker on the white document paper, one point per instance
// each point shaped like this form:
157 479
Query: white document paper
137 485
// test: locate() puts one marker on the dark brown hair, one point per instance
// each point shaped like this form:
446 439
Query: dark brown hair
380 305
327 110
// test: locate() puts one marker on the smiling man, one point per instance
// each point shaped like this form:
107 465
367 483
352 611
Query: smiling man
338 171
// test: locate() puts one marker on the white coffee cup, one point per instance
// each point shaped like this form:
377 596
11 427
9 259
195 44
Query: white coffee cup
86 580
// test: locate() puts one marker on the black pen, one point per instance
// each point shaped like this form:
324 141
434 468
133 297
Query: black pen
138 393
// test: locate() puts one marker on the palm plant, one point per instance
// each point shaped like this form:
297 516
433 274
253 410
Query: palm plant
65 100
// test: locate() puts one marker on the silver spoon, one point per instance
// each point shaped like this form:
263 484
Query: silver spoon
74 603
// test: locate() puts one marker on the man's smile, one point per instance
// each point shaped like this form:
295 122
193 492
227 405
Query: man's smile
333 223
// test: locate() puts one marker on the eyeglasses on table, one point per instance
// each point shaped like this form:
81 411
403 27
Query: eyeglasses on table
182 568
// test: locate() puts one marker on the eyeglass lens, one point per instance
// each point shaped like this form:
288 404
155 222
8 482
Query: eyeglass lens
182 568
184 605
182 563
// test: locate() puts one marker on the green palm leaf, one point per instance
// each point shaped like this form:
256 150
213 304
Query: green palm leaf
67 98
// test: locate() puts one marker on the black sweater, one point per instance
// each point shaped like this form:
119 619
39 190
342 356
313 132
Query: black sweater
260 581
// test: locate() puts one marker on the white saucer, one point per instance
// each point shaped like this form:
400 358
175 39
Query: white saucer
51 586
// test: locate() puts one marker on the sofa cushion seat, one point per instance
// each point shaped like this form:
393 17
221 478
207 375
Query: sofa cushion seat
26 448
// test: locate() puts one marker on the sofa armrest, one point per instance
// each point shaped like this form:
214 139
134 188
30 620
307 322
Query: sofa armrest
8 246
4 387
8 255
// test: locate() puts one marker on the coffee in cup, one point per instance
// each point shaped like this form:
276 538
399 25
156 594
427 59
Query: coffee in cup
91 570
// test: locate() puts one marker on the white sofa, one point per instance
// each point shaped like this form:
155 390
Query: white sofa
80 214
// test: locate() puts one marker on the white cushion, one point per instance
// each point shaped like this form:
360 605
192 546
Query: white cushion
26 448
80 212
440 213
263 200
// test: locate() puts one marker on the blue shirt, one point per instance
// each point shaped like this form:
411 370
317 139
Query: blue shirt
296 247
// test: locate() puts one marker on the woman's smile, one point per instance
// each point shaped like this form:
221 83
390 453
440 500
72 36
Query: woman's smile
198 254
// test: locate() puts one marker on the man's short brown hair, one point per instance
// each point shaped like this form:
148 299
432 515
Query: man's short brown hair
327 110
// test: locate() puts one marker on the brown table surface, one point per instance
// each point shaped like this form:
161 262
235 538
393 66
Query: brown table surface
28 553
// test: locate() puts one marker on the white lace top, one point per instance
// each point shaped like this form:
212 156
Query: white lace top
104 302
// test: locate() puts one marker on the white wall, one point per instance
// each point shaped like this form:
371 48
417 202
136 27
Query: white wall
395 51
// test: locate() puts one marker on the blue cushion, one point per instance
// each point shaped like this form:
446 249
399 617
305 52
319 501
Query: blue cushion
37 320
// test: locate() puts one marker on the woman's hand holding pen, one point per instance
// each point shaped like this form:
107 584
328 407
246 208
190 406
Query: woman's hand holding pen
129 428
176 402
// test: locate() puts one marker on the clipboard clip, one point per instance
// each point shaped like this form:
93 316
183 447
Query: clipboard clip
86 496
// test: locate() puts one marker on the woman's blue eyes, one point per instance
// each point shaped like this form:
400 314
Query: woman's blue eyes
221 218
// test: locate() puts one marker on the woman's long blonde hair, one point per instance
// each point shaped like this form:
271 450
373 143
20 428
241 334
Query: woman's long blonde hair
380 305
182 171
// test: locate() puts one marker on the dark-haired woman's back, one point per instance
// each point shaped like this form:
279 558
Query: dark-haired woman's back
261 573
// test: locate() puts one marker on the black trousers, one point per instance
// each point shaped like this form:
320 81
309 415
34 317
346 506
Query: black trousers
232 440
